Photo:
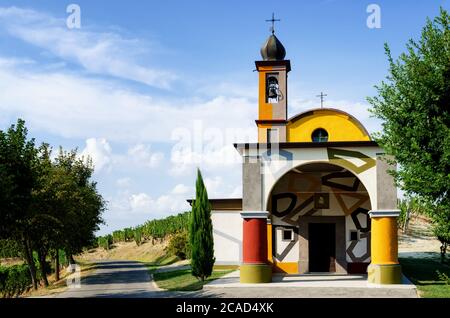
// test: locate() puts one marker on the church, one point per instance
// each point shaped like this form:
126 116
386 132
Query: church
317 196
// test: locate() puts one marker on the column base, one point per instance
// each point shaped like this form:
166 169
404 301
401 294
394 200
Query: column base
384 274
255 273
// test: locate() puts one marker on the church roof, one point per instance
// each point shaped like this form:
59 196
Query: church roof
313 111
272 49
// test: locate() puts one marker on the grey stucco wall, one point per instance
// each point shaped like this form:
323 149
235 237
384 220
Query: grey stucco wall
251 184
386 189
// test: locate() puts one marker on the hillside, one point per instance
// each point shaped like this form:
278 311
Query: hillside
419 240
146 252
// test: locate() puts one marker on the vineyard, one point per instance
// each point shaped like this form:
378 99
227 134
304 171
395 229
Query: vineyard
150 230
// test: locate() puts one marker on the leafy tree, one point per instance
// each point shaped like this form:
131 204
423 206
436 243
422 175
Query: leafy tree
18 158
45 205
201 235
414 106
83 204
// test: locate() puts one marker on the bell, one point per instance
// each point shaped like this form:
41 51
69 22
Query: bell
272 92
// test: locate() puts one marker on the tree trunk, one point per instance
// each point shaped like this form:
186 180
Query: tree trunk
41 256
443 251
57 265
28 253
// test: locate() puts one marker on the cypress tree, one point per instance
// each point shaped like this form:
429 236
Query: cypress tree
200 234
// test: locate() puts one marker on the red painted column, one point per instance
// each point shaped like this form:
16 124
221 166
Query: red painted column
255 267
255 241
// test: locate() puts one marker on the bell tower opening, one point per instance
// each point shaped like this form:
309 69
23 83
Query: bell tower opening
273 93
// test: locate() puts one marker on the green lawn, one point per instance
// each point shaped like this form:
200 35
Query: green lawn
422 273
161 261
182 280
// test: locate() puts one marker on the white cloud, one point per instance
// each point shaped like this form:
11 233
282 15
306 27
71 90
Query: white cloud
123 182
142 154
140 201
99 150
181 189
73 106
142 204
104 53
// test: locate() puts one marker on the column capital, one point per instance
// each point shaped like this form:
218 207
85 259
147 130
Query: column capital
254 214
384 213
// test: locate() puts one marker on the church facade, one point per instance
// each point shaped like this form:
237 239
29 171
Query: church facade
317 196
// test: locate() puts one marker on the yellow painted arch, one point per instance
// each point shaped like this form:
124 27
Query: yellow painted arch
340 126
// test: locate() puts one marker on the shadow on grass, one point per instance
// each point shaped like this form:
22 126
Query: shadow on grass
422 272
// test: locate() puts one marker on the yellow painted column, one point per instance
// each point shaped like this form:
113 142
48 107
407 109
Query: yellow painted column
384 267
269 243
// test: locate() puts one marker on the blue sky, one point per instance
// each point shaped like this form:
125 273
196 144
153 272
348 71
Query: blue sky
141 79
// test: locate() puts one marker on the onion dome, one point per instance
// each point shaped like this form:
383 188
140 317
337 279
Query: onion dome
273 50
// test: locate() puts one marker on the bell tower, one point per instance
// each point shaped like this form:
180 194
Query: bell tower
273 72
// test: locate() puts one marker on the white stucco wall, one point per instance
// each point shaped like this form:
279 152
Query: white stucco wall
281 245
227 233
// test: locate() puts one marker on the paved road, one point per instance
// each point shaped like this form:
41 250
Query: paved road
119 279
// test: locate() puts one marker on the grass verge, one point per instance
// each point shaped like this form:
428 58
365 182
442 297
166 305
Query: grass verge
182 280
422 273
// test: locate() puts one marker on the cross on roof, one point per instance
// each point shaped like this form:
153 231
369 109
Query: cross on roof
273 20
322 95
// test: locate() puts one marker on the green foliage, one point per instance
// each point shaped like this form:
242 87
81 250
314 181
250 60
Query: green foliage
105 241
414 106
160 229
118 236
167 226
138 236
201 236
9 249
179 245
14 280
129 234
443 277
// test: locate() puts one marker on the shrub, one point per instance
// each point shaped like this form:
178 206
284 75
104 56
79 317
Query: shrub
443 277
179 245
14 280
118 236
129 234
138 236
105 241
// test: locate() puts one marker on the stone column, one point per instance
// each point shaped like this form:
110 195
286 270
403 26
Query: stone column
384 267
255 267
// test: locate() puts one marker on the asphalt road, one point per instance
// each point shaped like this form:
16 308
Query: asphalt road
120 279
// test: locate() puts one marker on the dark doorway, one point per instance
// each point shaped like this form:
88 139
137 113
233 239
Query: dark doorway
322 247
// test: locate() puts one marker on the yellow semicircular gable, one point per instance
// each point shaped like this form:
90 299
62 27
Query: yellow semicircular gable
339 125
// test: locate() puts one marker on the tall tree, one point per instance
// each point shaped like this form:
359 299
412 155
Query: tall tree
18 159
414 106
83 204
200 234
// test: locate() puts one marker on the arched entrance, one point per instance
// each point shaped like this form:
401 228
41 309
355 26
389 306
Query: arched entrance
319 221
